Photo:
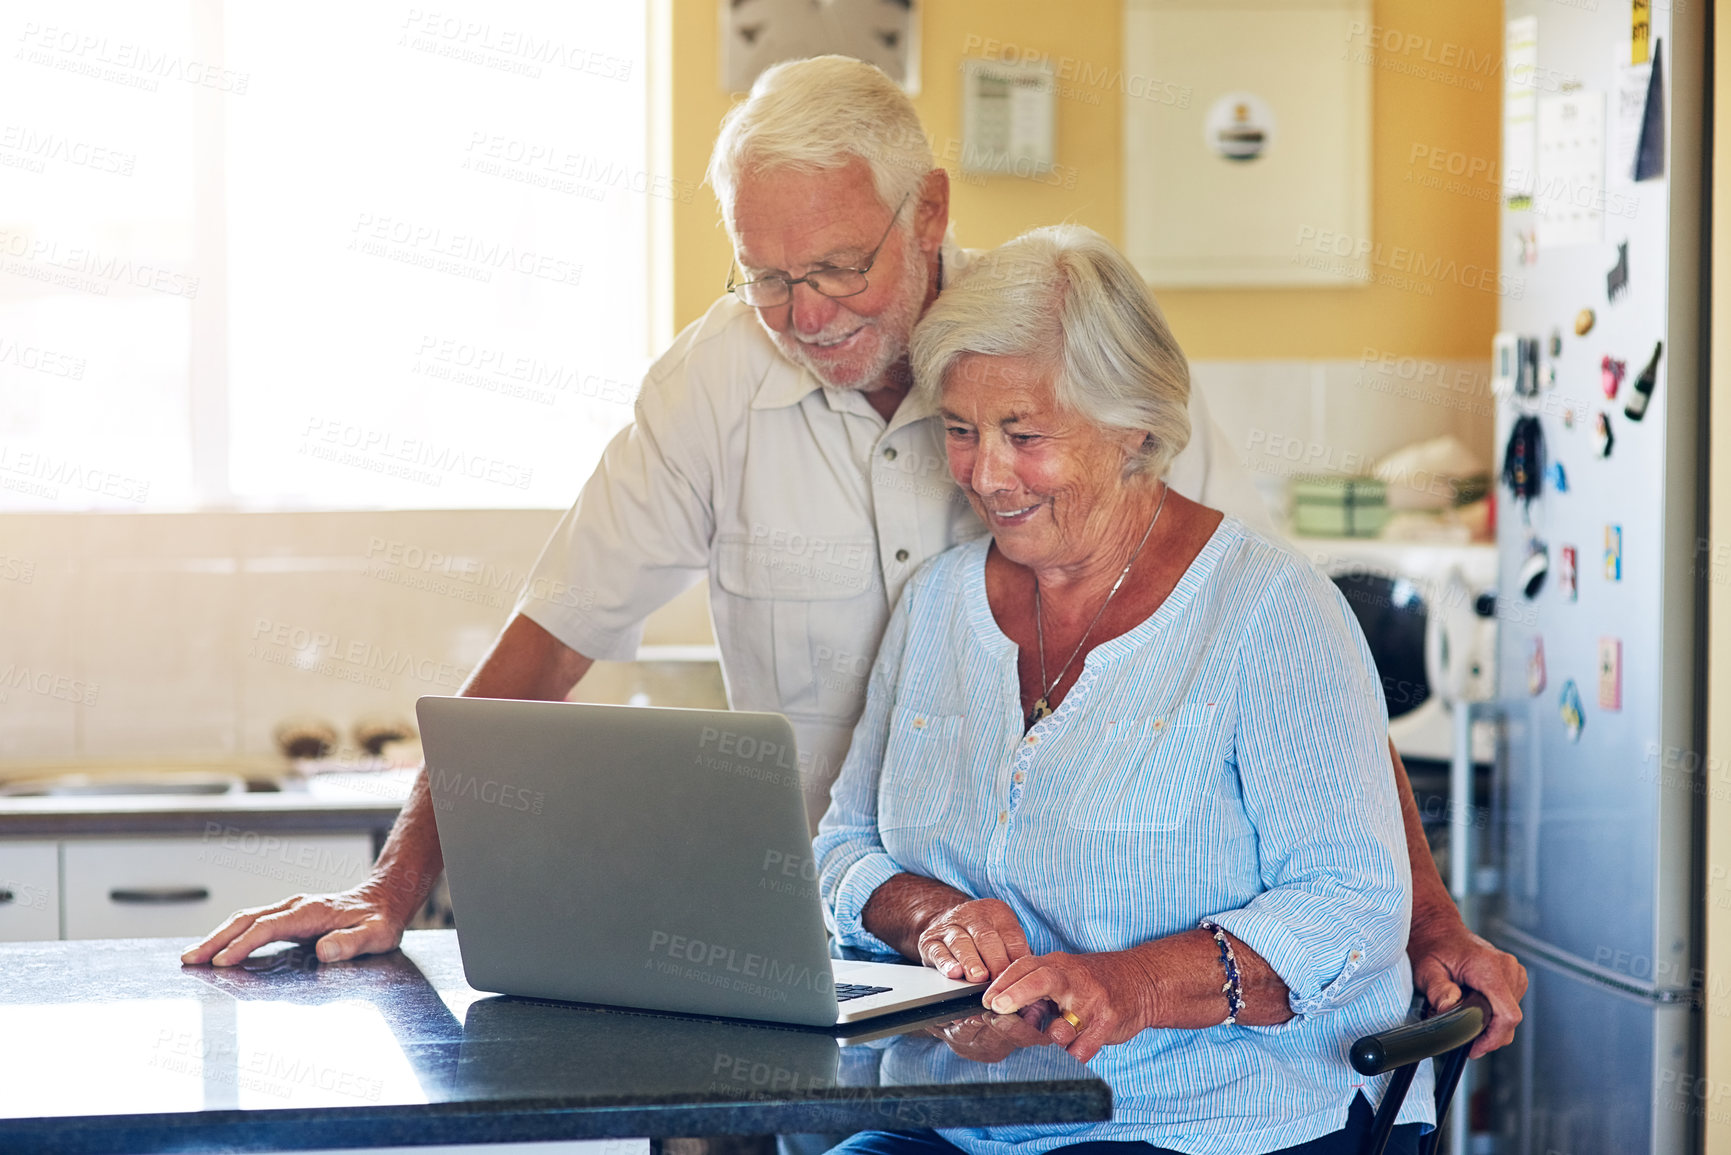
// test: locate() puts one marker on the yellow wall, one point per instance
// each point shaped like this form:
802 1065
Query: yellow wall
1408 112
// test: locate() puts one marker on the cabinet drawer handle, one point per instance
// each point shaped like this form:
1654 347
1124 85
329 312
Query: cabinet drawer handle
158 895
5 896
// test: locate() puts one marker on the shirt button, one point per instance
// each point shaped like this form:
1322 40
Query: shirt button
901 555
1159 724
919 722
1021 776
1003 816
889 455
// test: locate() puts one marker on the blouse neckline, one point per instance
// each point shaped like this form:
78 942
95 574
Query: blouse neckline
1196 574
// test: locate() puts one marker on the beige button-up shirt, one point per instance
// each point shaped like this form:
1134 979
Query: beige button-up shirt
805 509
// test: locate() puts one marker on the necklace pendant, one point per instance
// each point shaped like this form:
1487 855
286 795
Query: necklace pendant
1041 710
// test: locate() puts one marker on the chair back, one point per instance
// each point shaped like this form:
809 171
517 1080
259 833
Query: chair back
1401 1049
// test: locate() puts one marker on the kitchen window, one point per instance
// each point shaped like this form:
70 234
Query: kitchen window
324 256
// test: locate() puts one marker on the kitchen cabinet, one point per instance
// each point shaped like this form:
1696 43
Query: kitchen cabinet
152 887
29 891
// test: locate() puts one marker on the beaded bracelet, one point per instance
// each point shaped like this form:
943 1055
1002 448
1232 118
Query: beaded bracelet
1233 987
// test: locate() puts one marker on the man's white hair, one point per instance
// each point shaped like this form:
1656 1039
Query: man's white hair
816 115
1065 295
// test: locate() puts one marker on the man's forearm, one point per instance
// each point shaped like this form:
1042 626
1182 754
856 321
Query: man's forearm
411 860
1432 905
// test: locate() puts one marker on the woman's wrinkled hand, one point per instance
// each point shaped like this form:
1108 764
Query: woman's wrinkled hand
973 940
1106 993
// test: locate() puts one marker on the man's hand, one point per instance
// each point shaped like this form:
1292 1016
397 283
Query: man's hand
344 924
974 940
1446 958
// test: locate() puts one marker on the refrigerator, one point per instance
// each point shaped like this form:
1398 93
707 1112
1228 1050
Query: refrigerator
1595 843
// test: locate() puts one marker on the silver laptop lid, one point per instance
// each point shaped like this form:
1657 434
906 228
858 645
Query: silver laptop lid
633 856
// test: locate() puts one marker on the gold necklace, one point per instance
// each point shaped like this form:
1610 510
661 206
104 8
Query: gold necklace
1042 705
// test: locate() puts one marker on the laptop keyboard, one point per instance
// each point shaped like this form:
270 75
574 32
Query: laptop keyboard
846 991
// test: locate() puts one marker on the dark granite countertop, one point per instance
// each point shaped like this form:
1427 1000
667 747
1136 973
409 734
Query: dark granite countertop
112 1046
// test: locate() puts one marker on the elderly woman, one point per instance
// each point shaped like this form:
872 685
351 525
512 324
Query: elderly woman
1124 757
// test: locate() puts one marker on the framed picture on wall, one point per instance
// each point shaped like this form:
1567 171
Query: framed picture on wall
1247 141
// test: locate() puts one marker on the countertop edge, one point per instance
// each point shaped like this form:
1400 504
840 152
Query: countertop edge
831 1110
314 819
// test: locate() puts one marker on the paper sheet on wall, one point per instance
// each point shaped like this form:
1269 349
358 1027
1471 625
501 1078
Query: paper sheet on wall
1520 107
1570 196
1631 97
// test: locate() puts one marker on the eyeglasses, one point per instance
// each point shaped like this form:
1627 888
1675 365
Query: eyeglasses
766 292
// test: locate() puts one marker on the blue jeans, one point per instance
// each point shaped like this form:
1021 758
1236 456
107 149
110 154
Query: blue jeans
1349 1140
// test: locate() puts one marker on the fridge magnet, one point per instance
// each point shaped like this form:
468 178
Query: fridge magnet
1650 153
1584 322
1529 242
1568 417
1524 459
1556 345
1642 391
1527 366
1610 674
1536 666
1569 574
1504 350
1569 705
1605 438
1535 567
1614 553
1611 373
1559 479
1617 280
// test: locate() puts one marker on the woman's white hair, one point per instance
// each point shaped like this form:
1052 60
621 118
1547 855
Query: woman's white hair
816 115
1064 294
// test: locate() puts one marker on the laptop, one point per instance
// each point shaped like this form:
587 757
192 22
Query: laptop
642 857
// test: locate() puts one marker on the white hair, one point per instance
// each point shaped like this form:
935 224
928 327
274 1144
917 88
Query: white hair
817 115
1065 295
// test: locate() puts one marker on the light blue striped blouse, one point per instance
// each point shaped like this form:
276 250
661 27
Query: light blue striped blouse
1227 757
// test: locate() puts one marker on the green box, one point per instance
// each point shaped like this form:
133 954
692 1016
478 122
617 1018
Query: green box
1339 506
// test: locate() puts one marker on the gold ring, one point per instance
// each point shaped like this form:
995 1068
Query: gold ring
1073 1021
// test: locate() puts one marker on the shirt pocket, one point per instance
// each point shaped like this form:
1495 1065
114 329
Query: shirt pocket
785 590
919 768
1149 774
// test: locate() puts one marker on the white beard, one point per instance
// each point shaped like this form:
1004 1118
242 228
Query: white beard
891 328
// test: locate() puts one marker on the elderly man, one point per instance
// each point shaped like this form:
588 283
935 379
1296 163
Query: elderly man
772 453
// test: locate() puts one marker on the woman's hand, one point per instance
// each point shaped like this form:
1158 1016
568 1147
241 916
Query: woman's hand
990 1038
974 940
1109 994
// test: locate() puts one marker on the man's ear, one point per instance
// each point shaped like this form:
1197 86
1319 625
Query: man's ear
932 215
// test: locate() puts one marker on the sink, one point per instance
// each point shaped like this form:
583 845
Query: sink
84 785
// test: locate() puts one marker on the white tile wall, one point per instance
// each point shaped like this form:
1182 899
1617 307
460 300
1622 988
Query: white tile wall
150 636
1288 418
